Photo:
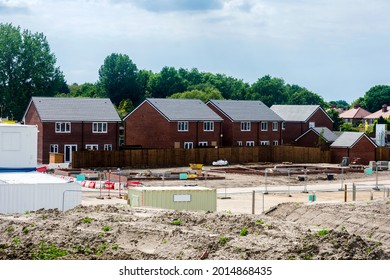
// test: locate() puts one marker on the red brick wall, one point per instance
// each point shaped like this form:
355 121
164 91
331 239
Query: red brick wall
364 150
295 129
310 139
32 118
148 128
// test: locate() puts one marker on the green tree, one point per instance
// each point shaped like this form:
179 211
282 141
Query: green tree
204 95
166 83
85 90
339 104
335 116
125 107
27 68
118 78
305 97
269 90
375 97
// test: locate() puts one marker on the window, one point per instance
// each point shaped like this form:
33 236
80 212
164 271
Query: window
182 126
250 143
312 124
245 126
99 127
202 144
275 142
264 143
107 147
91 147
274 126
239 143
283 126
264 126
62 127
188 145
208 126
54 148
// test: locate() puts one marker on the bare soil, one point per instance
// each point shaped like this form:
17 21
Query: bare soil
109 229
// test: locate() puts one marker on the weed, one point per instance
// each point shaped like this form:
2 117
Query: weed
223 240
44 216
228 212
176 222
25 230
80 249
114 246
323 232
101 234
164 241
291 258
48 252
259 222
87 220
106 228
16 241
243 231
27 212
100 250
9 229
388 202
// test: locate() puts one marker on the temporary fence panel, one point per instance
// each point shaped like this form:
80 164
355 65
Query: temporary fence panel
19 198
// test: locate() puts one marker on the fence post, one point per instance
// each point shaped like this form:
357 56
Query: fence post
371 195
263 202
345 193
353 192
253 202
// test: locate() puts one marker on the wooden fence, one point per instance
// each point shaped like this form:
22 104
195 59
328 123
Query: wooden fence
383 154
154 158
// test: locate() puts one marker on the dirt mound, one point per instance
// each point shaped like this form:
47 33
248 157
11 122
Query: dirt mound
291 231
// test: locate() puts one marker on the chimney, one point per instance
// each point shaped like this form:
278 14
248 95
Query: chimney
384 108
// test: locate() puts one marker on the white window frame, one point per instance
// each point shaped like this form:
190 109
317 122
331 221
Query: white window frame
264 143
250 143
283 125
54 148
239 143
264 126
93 147
107 147
188 145
208 126
99 127
245 126
275 143
312 124
203 144
182 126
63 127
275 126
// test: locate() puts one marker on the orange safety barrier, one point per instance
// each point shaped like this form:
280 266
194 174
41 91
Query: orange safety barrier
109 185
92 185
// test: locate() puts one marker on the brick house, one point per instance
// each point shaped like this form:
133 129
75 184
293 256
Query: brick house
247 123
172 123
73 124
316 137
354 115
384 113
299 118
353 145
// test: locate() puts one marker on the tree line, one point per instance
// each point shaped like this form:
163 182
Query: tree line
28 68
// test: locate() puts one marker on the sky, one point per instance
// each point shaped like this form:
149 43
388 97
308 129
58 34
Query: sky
338 49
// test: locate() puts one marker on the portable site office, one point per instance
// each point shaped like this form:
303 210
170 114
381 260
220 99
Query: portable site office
176 198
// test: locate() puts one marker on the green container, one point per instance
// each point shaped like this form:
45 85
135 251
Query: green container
80 177
183 176
176 198
368 171
312 197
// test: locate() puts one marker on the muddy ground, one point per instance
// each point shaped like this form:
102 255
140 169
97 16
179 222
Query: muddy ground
291 230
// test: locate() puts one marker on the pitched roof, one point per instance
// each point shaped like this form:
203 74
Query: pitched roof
379 113
296 113
355 113
245 110
328 135
349 139
75 109
183 109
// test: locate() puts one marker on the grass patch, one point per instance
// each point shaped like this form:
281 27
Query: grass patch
176 222
323 232
25 230
48 252
106 228
87 220
244 231
259 222
223 240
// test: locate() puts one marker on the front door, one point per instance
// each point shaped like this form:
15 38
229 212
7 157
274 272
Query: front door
68 149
